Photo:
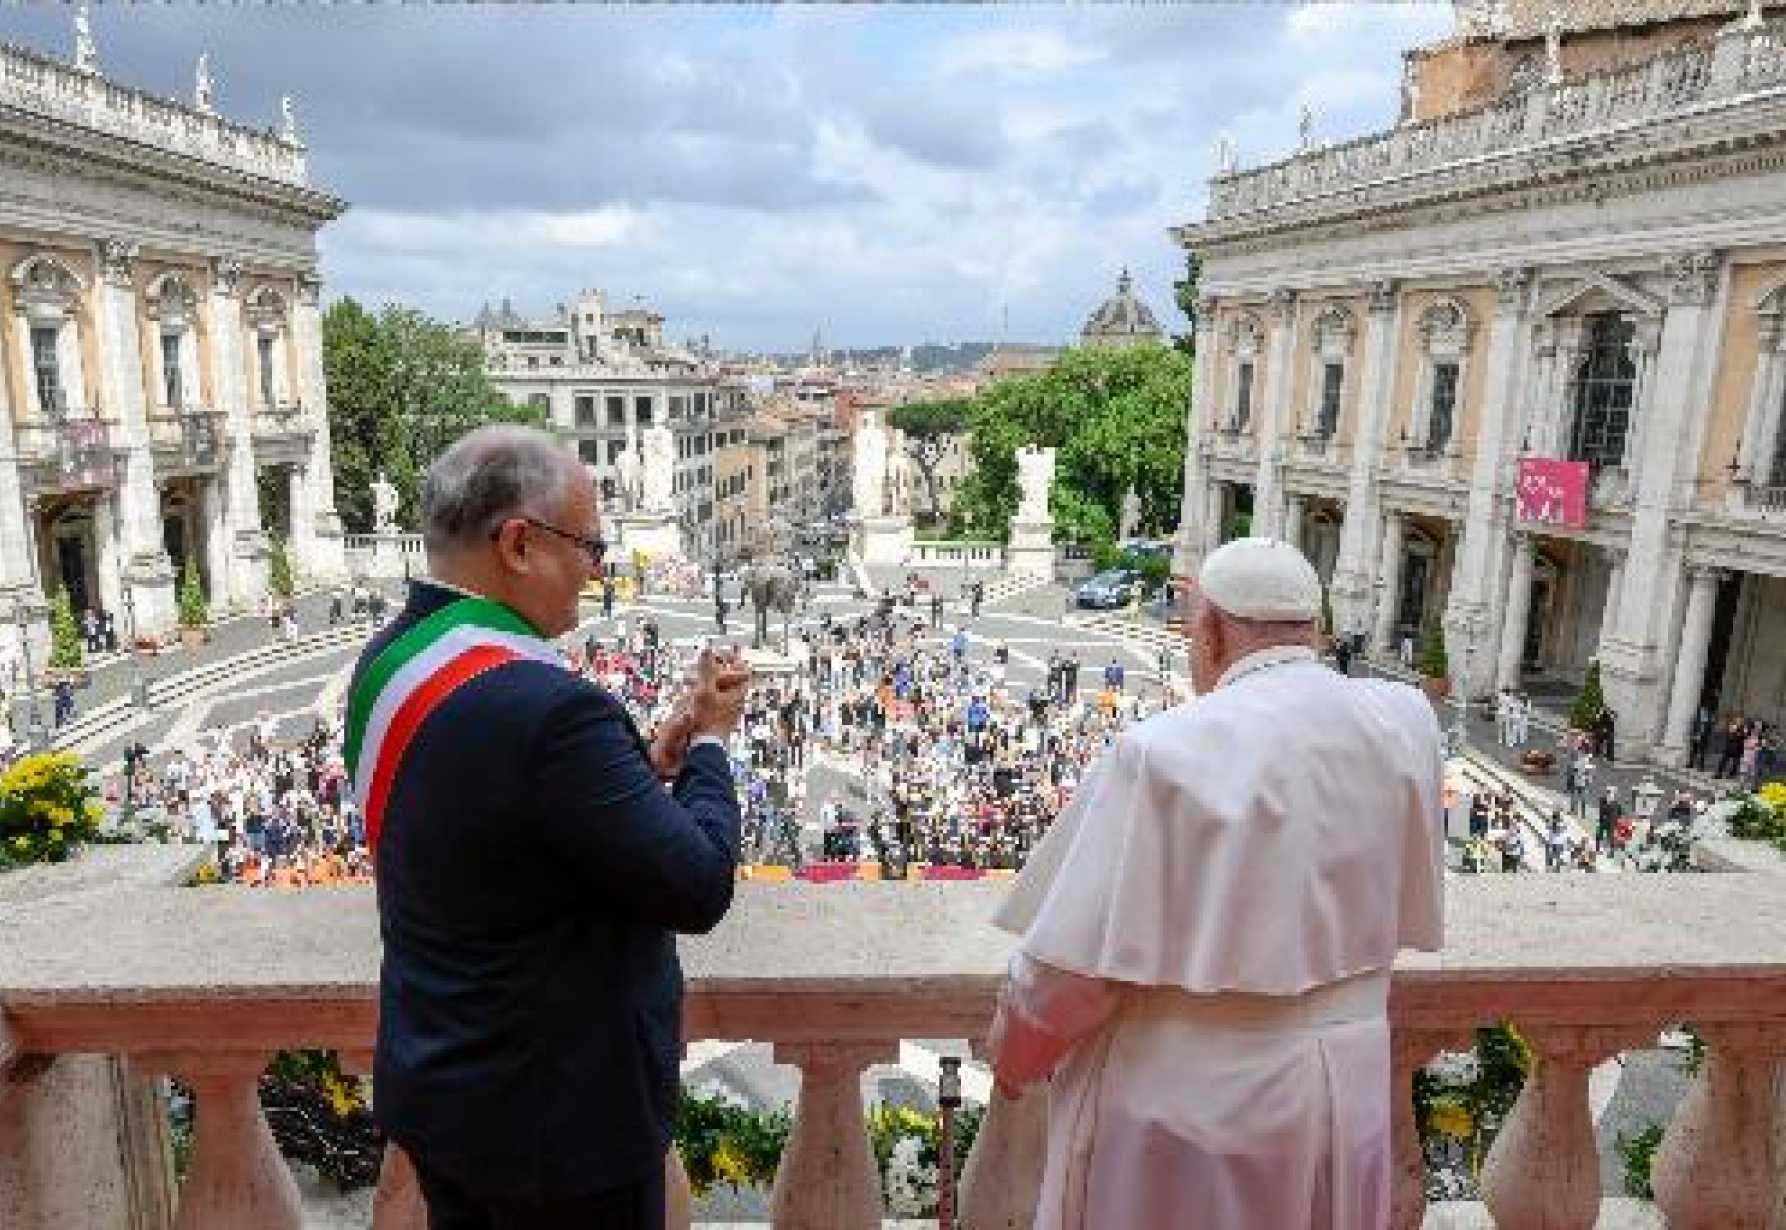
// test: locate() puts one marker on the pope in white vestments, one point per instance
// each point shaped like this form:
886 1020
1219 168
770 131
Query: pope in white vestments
1208 931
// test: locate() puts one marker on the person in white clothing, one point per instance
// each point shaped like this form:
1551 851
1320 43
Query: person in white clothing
1208 932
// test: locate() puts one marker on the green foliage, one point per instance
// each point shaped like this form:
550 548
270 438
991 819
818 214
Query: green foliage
1762 816
48 808
1434 663
402 386
930 418
65 635
1326 611
1473 1111
1185 292
279 577
1590 702
193 610
1638 1151
1240 525
1117 419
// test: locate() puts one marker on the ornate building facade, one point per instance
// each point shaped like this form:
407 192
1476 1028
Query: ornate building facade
1588 267
160 348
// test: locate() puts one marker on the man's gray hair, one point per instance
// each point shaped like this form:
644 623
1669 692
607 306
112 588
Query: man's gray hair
487 477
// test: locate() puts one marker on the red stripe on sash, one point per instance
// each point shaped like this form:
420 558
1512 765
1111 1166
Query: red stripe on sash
409 718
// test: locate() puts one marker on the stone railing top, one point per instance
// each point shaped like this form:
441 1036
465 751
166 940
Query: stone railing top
1740 66
45 87
848 939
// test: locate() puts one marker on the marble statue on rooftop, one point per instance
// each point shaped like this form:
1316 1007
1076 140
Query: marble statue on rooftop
86 51
202 93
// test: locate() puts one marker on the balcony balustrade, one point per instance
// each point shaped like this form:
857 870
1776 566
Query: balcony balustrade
68 450
207 984
1516 136
188 439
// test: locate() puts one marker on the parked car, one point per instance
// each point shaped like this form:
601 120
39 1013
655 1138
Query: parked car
1108 590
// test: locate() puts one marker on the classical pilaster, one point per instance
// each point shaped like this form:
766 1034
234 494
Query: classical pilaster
245 583
1351 587
1690 660
1389 572
1268 490
18 575
318 541
1193 531
1615 580
1488 515
1293 520
1633 671
1518 611
143 556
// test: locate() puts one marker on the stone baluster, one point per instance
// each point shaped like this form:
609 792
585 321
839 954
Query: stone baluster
1003 1178
237 1180
1409 1051
1543 1172
397 1204
1720 1163
827 1179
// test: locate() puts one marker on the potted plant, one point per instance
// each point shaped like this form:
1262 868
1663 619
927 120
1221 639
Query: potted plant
195 615
279 574
66 648
1434 666
1589 703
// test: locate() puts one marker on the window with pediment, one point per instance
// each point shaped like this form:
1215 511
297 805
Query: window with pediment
172 307
1603 391
1330 338
267 318
47 296
1246 345
1442 338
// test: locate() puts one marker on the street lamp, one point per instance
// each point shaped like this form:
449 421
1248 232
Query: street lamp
36 736
1460 724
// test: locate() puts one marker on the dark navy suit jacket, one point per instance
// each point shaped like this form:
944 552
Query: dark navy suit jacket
532 872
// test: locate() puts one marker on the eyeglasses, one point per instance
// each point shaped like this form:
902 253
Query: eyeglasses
594 548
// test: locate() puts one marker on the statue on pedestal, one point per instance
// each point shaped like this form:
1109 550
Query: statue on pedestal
869 467
657 487
630 473
1130 519
384 505
202 91
1035 475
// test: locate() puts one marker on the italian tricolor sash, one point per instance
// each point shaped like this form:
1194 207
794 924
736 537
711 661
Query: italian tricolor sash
410 678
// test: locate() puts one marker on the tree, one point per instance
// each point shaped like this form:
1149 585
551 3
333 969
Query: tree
1185 291
928 427
65 635
279 578
402 386
1116 419
193 610
1590 702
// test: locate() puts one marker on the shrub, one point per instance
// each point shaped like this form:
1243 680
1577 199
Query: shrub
194 612
279 575
1433 662
65 635
48 809
1638 1151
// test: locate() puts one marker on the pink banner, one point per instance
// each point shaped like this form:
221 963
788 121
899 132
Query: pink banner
1553 492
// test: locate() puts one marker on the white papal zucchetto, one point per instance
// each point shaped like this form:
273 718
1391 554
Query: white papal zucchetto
1261 578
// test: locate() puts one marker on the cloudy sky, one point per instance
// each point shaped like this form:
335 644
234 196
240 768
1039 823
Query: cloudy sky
886 174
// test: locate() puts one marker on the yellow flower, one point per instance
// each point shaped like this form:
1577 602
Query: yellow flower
344 1099
21 844
729 1162
1451 1119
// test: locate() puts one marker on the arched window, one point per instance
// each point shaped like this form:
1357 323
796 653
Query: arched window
1604 388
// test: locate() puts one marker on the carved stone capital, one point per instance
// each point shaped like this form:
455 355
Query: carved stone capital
117 260
1282 305
1380 295
1513 288
226 275
1768 330
1693 277
309 288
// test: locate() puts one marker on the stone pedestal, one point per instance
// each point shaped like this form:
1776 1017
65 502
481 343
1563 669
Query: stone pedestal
769 662
656 535
1031 551
387 556
153 587
881 540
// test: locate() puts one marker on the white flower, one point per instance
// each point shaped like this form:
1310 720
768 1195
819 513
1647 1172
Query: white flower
911 1183
1455 1069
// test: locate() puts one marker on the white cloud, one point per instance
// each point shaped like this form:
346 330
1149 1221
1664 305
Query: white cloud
1015 52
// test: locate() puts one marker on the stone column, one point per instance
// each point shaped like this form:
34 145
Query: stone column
1268 495
1615 580
109 556
1543 1172
1498 436
1633 669
827 1179
246 582
1352 570
1193 530
1293 522
237 1180
1720 1163
1390 572
18 569
1216 508
1519 610
1689 670
144 556
211 511
322 556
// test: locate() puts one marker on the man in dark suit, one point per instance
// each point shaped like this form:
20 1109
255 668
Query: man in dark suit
532 867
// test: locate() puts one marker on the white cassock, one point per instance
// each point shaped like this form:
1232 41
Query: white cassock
1208 931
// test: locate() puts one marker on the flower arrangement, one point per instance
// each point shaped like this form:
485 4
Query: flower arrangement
1460 1101
48 809
1762 816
